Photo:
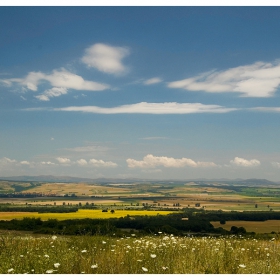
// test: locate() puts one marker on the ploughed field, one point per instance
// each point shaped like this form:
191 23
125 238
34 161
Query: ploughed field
132 254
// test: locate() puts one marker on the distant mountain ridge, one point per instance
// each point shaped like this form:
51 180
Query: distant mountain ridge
69 179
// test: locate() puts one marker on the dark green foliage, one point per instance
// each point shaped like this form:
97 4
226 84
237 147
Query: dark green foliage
39 209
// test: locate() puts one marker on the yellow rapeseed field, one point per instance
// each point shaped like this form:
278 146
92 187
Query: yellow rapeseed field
81 214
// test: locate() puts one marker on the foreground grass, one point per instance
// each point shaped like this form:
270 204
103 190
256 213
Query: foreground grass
81 214
160 254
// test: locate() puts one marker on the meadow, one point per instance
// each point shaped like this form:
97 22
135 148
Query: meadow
154 254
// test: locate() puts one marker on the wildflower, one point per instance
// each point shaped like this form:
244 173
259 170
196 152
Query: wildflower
144 269
153 256
268 254
49 271
10 270
54 237
242 265
47 256
159 232
56 265
133 234
84 251
139 260
164 268
103 242
94 266
21 256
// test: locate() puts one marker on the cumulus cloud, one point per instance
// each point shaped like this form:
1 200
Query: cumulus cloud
151 108
151 161
102 163
82 162
106 58
6 160
47 163
256 80
152 81
237 161
63 160
60 79
25 162
53 92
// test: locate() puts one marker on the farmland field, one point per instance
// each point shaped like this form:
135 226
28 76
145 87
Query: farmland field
252 226
81 214
210 197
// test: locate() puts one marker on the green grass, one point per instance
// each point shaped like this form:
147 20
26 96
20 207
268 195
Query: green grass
161 254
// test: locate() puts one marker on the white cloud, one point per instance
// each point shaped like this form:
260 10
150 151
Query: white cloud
151 161
106 58
244 162
24 162
87 149
53 92
6 160
101 163
82 162
266 109
151 108
276 164
256 80
152 81
63 160
58 79
47 163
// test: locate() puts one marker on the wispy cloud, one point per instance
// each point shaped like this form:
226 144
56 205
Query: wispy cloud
151 161
54 92
153 138
105 58
237 161
151 108
256 80
60 79
276 164
87 149
152 81
266 109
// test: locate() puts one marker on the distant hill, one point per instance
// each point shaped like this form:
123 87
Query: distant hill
69 179
256 182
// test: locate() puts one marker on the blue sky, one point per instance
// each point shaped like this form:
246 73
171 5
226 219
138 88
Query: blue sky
140 92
